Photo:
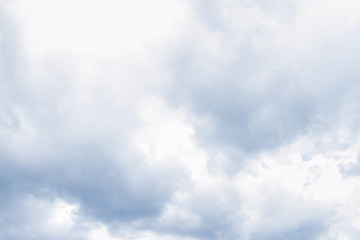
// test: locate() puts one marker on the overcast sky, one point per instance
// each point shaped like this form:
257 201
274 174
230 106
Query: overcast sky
179 119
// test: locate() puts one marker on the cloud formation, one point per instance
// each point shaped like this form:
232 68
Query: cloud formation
179 120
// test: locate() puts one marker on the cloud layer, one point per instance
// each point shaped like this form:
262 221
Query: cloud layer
179 119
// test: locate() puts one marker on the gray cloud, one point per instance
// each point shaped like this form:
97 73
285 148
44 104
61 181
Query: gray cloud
50 152
306 231
249 87
266 95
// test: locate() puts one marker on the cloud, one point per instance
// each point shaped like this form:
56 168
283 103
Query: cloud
179 120
65 138
270 80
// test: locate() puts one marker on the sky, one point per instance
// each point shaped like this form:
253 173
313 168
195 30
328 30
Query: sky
179 119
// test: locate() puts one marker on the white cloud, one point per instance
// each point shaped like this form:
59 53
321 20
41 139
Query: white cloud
295 191
165 120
